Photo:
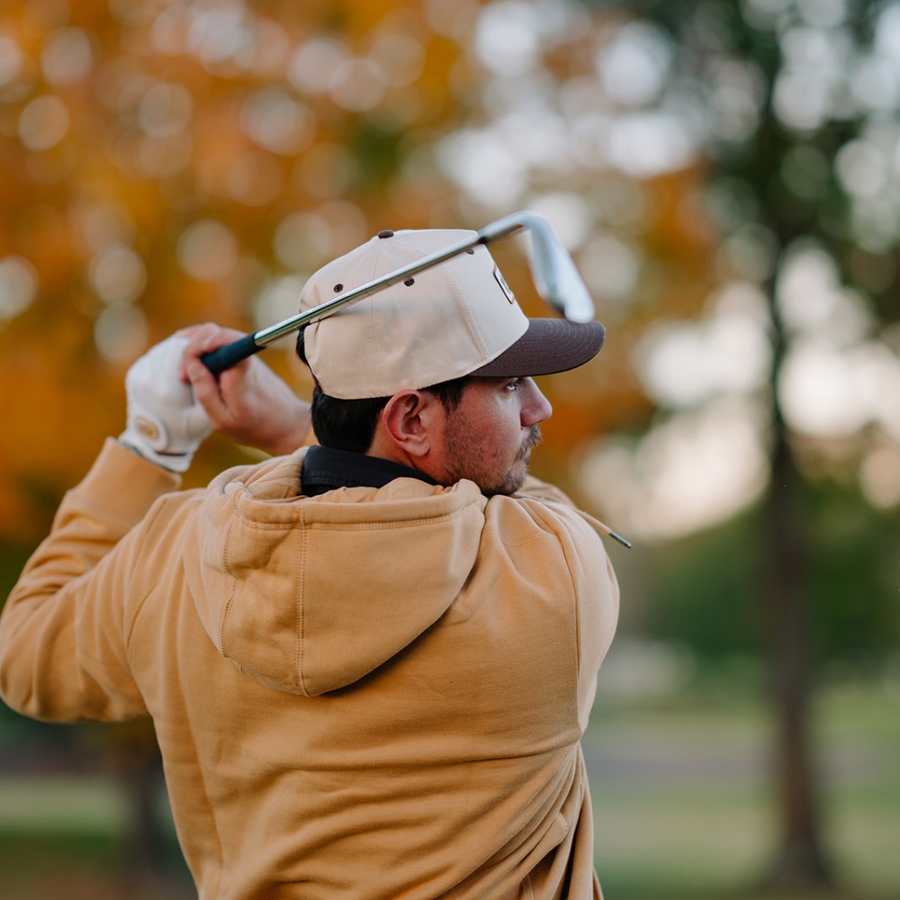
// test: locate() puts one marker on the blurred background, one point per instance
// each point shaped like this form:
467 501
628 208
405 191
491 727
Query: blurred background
726 175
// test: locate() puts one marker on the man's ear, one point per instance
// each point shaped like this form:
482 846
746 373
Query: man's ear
408 421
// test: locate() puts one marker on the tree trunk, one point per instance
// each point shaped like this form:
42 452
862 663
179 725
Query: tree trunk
800 860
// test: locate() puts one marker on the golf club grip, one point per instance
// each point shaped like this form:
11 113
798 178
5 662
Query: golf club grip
229 355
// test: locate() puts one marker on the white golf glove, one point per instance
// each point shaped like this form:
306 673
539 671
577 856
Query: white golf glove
166 425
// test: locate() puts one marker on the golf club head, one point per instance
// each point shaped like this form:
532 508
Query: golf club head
552 270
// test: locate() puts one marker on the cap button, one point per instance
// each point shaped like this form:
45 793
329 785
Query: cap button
385 234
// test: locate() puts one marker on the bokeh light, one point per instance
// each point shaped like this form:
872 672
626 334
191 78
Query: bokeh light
207 250
18 286
43 123
67 57
118 274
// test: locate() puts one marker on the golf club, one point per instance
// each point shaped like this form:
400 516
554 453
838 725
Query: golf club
552 270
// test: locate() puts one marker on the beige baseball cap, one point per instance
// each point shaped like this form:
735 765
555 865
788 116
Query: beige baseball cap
453 319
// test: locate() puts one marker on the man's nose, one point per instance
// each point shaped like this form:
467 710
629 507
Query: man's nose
536 407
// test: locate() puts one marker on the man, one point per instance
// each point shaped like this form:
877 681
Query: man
369 662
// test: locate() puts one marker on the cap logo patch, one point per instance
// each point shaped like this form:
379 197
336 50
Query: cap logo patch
503 285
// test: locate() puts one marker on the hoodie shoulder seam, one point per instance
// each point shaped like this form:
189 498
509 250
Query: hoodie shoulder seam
303 522
300 607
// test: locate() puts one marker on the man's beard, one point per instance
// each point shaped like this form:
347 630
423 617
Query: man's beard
463 465
512 483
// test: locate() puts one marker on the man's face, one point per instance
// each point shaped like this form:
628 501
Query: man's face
489 436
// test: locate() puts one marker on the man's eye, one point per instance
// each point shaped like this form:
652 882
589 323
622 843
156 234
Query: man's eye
514 384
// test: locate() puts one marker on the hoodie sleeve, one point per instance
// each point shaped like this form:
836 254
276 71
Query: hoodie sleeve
62 631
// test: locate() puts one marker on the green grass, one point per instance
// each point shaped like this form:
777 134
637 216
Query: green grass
47 805
70 836
684 804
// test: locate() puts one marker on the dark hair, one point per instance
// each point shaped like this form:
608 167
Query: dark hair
350 424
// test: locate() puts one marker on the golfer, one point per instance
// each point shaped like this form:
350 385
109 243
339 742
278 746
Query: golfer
369 661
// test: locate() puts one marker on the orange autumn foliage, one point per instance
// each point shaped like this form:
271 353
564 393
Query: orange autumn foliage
161 121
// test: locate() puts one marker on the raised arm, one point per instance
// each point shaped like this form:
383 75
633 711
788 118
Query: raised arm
64 629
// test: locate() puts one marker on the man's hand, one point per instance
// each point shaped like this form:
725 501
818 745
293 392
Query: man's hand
249 402
165 423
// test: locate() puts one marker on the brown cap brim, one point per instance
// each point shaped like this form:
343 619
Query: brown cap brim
548 346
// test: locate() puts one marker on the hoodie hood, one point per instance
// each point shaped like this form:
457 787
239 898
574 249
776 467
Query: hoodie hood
308 595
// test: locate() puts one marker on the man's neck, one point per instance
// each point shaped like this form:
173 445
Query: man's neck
384 448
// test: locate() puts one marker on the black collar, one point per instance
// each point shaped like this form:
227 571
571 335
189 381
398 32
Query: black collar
325 469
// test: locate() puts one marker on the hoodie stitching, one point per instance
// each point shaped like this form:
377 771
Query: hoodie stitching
129 621
233 580
388 526
519 542
301 608
378 526
303 523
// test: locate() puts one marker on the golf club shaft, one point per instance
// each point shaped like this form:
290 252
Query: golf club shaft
231 354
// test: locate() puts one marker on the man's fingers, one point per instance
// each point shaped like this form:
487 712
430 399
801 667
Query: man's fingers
205 387
197 335
204 339
221 396
248 402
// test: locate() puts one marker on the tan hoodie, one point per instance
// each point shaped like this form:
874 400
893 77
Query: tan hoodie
372 694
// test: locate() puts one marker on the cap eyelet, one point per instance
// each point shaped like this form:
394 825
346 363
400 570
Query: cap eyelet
410 282
338 288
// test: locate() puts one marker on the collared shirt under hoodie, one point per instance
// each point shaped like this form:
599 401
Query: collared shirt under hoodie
327 468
